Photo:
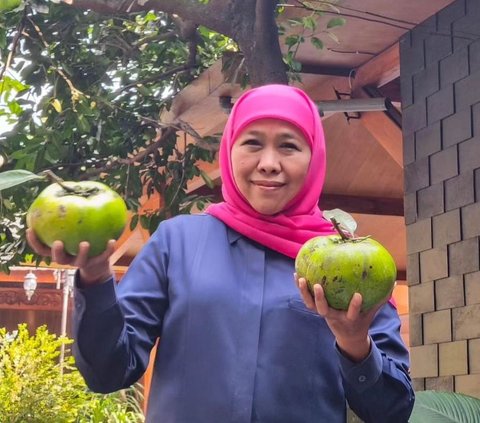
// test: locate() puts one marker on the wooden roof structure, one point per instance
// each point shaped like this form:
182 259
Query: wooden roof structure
364 150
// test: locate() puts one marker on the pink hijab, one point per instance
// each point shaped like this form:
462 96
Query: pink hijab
301 219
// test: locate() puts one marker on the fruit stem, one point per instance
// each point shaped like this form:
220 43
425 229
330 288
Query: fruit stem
336 225
54 178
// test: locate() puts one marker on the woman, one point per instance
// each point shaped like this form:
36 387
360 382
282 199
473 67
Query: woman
239 342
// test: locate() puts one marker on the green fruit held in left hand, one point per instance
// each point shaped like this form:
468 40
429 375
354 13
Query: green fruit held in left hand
78 211
345 266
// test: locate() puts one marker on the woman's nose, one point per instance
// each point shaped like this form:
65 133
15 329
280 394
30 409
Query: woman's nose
269 162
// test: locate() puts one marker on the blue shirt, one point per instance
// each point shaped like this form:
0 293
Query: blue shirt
237 344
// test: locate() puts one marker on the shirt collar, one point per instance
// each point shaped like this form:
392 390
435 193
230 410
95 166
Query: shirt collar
232 235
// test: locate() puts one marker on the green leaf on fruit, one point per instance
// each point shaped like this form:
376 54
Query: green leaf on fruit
10 178
346 221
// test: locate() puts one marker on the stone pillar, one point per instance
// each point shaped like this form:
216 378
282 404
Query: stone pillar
440 80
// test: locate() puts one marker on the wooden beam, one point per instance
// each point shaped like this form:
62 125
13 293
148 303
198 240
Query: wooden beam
42 299
17 274
326 70
348 203
379 70
362 205
130 242
387 133
198 104
385 130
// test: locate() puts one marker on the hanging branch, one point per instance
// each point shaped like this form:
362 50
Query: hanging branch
16 40
156 78
76 93
302 5
138 158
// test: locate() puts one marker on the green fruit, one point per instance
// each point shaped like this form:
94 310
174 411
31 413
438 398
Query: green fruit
87 211
346 266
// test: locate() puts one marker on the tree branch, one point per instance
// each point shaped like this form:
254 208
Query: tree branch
256 33
250 23
214 15
268 56
189 33
155 78
16 39
155 144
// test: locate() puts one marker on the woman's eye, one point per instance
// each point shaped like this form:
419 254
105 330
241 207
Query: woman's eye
251 142
290 146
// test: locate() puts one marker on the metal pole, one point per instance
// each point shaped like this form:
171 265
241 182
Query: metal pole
68 281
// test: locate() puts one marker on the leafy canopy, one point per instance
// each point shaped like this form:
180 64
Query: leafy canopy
82 94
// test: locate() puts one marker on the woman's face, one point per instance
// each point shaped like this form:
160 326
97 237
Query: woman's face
270 160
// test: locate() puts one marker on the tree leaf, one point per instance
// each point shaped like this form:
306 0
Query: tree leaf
3 38
309 22
134 222
57 105
336 22
291 40
207 179
11 178
346 221
444 407
317 42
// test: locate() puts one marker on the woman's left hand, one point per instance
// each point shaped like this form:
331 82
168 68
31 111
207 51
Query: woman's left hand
350 327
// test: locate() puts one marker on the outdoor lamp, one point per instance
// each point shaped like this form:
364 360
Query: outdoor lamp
30 284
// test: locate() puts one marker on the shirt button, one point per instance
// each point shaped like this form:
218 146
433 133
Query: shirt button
362 378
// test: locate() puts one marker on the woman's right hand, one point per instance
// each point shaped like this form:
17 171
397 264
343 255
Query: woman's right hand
93 270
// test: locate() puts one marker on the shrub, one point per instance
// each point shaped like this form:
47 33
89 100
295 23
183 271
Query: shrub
36 388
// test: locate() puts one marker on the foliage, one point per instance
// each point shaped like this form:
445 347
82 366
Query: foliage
439 407
445 407
83 93
307 30
36 388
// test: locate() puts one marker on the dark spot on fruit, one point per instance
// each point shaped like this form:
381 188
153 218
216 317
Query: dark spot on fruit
324 279
364 274
62 210
335 278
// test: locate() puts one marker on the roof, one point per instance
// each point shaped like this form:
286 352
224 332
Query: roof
364 150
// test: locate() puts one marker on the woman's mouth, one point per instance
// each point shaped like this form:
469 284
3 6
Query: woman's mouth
268 185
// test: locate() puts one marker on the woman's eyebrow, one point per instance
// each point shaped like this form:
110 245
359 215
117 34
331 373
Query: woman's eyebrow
283 135
253 132
287 135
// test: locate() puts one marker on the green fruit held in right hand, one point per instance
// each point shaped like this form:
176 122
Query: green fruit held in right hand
346 266
86 211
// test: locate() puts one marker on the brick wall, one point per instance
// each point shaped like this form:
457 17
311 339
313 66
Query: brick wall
440 78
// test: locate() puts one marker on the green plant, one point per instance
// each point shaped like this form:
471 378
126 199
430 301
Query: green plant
445 407
36 388
81 94
306 28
